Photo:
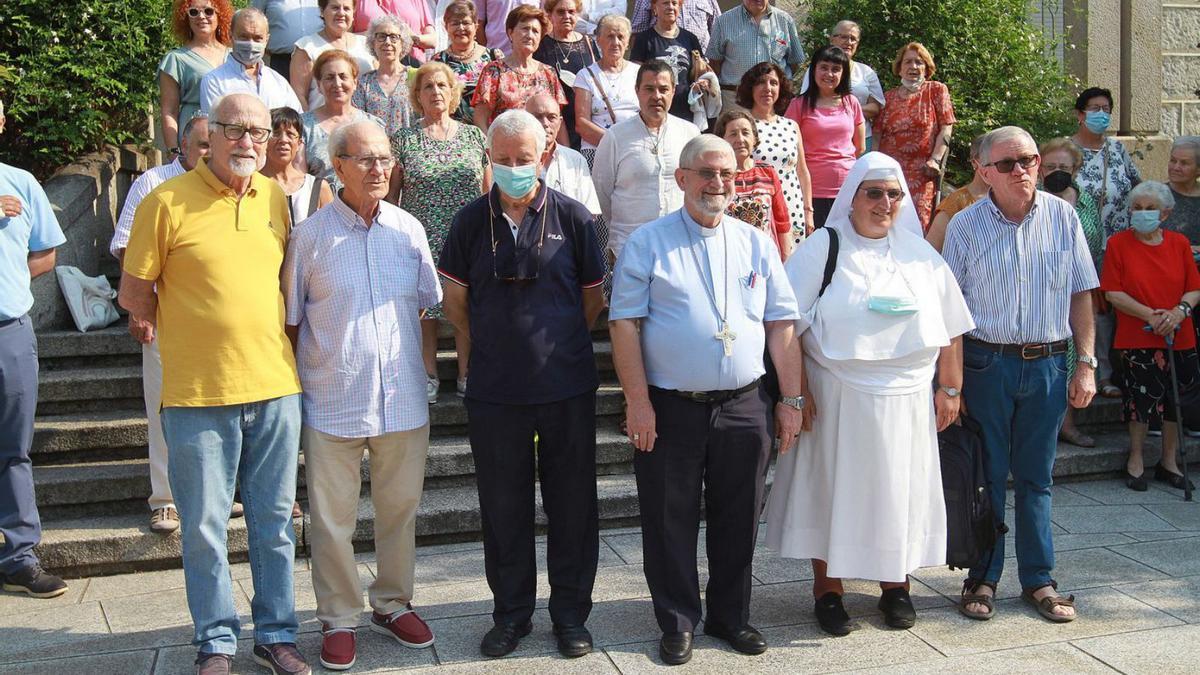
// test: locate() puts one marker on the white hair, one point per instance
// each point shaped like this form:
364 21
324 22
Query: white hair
618 19
702 145
341 136
245 14
849 24
514 123
1154 190
999 136
1189 142
389 21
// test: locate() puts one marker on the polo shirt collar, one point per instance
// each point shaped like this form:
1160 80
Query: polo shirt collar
999 215
222 189
349 217
538 203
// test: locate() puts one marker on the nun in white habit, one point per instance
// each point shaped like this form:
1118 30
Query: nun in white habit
861 493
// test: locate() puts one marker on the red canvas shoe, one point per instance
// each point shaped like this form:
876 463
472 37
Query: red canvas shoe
404 626
337 648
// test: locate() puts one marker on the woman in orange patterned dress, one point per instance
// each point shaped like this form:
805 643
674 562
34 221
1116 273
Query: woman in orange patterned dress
915 124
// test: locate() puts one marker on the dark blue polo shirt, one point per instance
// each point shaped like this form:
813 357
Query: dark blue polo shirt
530 342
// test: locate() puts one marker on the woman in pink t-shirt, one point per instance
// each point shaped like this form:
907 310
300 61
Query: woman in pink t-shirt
831 126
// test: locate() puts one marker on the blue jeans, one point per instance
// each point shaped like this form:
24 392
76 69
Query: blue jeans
1020 405
254 444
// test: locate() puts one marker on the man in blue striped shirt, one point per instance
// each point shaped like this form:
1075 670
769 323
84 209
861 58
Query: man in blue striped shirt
1022 262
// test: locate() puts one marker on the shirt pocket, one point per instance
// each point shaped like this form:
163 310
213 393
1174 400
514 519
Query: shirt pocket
754 297
1055 268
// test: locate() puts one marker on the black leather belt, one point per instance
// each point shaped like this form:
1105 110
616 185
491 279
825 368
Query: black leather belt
718 396
1028 352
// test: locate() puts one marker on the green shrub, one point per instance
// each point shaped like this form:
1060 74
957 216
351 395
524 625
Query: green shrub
999 67
81 74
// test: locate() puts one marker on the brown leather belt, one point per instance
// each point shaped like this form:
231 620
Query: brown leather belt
718 396
1028 352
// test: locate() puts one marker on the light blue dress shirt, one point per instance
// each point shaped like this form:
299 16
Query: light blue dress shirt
35 229
661 278
356 293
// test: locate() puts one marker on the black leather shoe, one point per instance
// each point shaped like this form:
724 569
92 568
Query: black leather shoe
746 639
832 616
503 638
1161 473
573 641
675 649
897 608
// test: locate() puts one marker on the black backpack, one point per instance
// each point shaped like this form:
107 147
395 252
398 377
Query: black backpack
972 527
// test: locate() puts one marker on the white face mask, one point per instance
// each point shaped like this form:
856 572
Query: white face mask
912 85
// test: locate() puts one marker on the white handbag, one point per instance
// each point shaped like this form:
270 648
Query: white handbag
88 298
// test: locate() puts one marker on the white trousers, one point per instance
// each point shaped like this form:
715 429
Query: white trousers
160 487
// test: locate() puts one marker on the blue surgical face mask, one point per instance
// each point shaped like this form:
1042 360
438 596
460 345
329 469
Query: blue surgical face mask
1097 121
892 304
1144 221
515 181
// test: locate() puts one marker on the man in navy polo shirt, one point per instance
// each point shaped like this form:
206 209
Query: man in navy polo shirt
524 279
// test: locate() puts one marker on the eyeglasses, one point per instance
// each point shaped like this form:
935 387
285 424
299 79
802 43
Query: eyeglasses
875 194
389 37
847 38
1051 168
285 135
366 163
1098 108
517 274
1006 165
552 118
461 23
195 12
709 174
234 132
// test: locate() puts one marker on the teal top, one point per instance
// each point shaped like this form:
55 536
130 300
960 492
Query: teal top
187 68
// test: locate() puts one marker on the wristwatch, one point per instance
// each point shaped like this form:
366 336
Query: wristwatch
952 392
796 402
1089 360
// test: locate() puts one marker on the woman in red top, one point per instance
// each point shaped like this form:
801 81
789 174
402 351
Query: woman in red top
915 125
509 82
1149 276
758 194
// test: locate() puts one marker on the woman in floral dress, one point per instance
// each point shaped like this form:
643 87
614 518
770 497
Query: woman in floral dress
509 82
915 124
441 167
464 55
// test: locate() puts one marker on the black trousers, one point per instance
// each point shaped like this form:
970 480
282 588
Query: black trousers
502 442
821 209
720 448
280 63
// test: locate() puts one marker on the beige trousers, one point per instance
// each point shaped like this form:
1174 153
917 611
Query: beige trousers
160 487
332 467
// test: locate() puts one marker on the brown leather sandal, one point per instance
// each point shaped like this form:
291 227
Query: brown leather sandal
970 596
1046 605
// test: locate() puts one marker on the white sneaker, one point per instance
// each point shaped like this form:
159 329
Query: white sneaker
460 387
431 388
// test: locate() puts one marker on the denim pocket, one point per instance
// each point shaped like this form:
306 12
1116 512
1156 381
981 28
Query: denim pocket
977 360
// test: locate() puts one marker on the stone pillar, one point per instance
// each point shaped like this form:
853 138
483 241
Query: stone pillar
1180 42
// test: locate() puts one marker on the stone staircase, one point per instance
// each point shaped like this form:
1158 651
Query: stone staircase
92 475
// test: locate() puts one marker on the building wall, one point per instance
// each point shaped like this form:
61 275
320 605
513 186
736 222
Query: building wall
1180 37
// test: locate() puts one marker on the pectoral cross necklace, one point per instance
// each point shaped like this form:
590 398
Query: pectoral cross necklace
725 335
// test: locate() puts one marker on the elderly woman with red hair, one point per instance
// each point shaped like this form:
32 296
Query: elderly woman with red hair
915 124
202 29
509 82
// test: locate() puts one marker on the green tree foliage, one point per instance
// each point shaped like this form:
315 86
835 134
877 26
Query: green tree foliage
81 74
999 67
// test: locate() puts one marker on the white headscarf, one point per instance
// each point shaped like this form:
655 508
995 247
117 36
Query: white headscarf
840 321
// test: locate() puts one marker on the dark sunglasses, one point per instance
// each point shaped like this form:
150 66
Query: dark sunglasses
195 12
875 194
1006 165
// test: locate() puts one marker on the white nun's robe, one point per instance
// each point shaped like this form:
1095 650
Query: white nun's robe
863 490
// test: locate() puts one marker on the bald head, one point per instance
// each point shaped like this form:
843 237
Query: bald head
246 18
345 139
244 107
548 113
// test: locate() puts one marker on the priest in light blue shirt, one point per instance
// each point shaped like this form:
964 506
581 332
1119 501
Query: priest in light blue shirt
697 296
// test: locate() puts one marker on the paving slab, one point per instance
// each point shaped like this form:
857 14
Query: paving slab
25 636
1165 651
1183 515
1072 542
12 604
1092 519
453 567
1160 536
1176 557
123 585
125 663
1178 597
161 618
1038 660
596 662
792 649
1115 492
376 654
1103 611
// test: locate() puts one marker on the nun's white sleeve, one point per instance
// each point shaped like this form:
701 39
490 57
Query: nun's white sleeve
805 269
955 313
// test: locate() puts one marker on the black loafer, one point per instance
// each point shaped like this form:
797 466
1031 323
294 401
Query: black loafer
675 649
1136 483
746 639
1169 477
503 638
573 641
832 616
897 608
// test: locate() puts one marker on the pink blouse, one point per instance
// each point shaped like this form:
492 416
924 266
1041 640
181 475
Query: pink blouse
828 135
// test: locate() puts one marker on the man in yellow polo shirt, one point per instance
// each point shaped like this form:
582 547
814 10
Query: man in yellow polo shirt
213 241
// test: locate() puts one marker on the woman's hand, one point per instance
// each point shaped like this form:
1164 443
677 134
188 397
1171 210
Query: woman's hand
932 168
947 408
1165 321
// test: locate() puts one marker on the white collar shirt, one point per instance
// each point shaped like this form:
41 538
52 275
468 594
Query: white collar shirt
141 187
230 78
568 173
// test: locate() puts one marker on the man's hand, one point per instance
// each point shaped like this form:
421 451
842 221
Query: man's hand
639 423
947 407
1082 387
788 422
10 206
142 331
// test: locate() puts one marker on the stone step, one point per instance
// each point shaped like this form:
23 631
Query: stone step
67 491
112 544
